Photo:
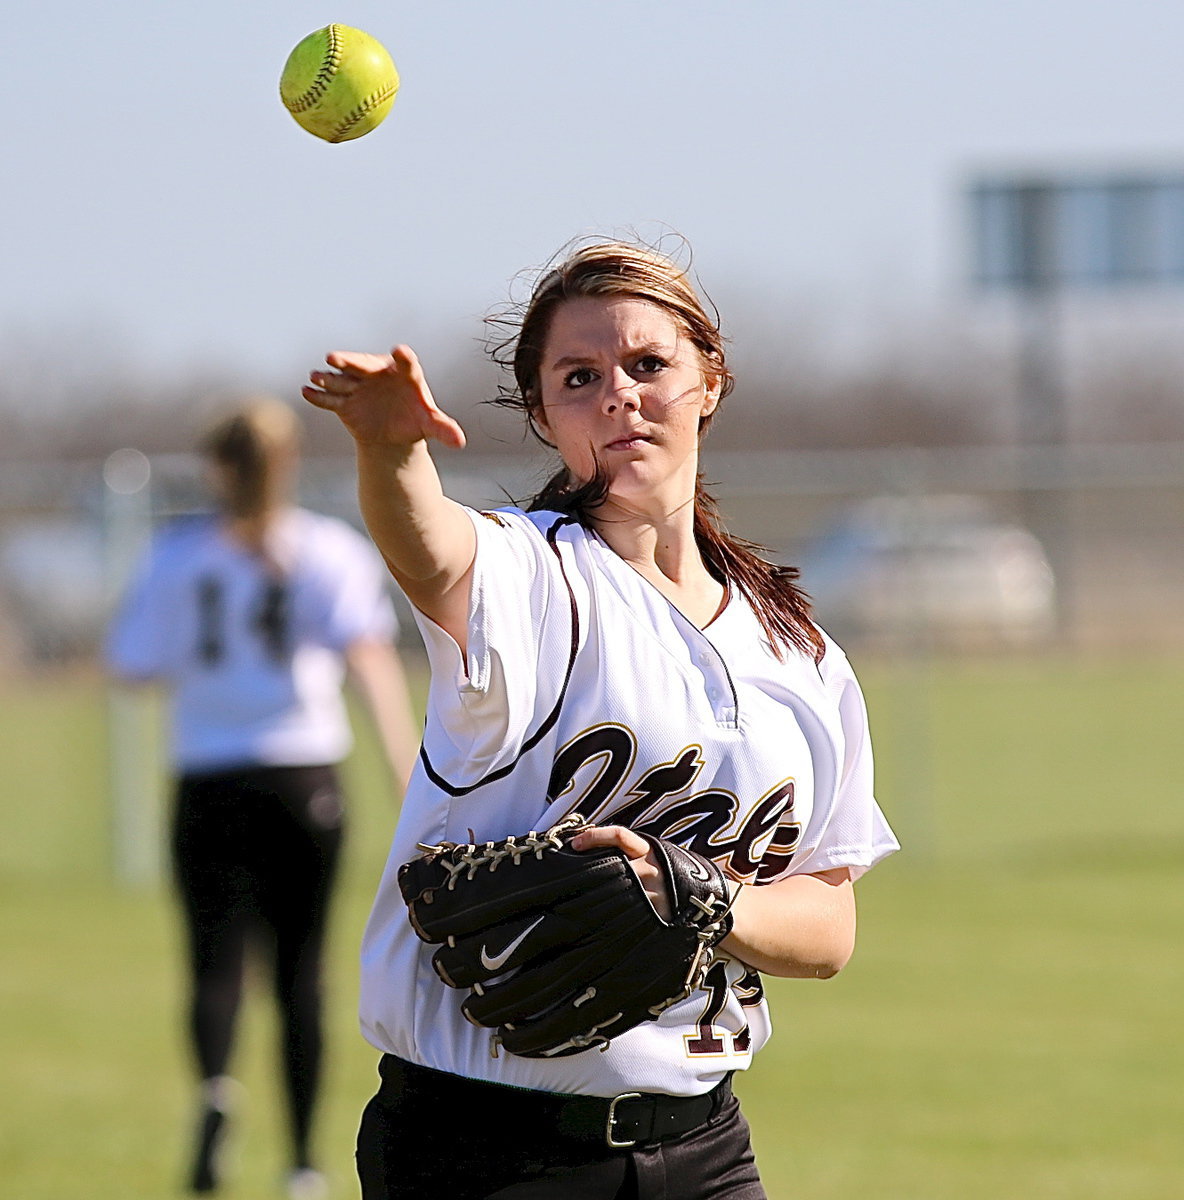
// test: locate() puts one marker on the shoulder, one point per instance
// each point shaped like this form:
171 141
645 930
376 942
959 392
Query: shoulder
512 517
517 525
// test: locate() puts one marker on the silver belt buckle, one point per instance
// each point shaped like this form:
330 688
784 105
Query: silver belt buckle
611 1120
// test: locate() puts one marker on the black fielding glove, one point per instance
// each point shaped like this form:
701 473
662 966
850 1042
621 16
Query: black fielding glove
562 950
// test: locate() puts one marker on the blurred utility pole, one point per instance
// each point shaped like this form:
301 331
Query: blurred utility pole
1042 420
1017 242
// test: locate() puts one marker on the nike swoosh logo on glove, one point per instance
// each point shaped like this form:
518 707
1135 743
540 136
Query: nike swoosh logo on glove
491 962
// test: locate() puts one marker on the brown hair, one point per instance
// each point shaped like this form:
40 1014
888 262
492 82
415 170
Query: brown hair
256 446
643 273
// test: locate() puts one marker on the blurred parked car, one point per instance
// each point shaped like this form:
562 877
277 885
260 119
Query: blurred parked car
52 587
943 568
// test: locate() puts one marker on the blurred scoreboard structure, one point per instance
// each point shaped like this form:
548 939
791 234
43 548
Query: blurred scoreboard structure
1038 235
1036 232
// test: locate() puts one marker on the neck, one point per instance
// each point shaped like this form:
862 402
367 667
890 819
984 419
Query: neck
664 552
666 555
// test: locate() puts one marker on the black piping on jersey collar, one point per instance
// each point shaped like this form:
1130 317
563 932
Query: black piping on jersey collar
551 717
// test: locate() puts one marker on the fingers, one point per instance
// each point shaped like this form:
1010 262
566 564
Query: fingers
353 367
326 389
406 360
447 431
320 399
440 426
612 837
637 850
381 397
334 383
353 362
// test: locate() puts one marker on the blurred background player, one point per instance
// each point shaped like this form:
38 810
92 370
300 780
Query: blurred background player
252 617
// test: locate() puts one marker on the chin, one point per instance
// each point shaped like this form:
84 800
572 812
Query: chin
631 489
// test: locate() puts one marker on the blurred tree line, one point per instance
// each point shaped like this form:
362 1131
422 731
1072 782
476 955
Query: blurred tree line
69 397
949 380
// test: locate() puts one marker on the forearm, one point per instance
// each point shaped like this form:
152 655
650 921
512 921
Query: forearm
417 528
802 927
384 401
426 538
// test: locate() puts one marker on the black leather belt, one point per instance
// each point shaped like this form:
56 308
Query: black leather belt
637 1118
616 1122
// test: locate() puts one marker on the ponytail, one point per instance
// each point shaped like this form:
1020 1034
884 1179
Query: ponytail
256 448
782 608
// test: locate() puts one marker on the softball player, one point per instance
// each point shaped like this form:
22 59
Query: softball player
250 618
612 651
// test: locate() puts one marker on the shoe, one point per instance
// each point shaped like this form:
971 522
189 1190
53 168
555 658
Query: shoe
211 1130
220 1096
307 1184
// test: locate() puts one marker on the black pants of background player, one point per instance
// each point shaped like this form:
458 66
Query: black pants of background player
428 1134
255 854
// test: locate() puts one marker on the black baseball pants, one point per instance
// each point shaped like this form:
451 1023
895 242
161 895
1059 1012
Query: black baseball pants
427 1134
255 855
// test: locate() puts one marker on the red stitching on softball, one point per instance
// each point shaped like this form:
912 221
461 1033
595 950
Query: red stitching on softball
324 76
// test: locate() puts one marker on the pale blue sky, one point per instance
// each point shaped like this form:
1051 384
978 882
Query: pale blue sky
155 191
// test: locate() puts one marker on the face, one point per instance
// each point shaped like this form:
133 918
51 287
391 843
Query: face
622 385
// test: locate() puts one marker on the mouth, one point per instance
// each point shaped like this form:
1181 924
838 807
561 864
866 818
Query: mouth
630 441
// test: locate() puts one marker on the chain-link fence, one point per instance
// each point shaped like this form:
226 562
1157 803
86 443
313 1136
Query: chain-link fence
1080 546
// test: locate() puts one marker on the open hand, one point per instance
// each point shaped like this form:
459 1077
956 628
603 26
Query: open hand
382 398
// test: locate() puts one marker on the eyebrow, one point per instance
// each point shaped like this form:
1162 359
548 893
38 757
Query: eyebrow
580 360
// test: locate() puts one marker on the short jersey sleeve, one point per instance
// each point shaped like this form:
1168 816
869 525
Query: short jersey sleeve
486 707
846 829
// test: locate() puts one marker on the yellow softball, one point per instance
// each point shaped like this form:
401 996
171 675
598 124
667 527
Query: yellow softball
339 83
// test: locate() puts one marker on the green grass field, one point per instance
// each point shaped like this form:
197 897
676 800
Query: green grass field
1009 1026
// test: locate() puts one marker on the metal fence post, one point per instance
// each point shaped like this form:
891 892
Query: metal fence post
131 732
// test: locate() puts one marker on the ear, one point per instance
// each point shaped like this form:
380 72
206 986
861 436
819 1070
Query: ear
713 385
536 418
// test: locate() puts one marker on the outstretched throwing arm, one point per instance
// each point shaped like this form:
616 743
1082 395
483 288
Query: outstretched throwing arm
427 539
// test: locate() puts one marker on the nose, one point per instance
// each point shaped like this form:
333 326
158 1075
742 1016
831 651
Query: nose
621 392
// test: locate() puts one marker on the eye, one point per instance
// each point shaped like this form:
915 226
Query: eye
579 377
651 364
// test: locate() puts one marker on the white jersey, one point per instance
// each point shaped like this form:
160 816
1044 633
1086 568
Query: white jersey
584 690
252 649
